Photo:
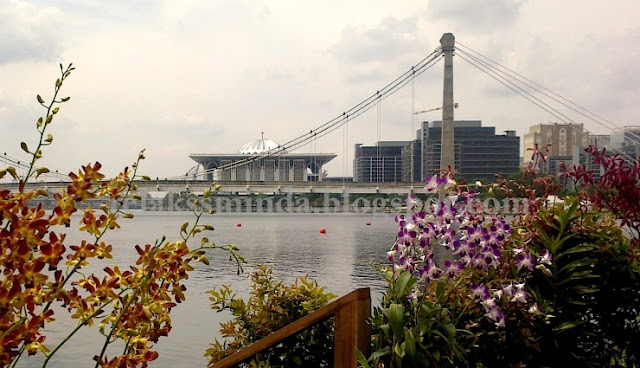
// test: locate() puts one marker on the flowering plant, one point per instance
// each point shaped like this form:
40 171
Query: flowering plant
452 277
273 305
40 268
617 190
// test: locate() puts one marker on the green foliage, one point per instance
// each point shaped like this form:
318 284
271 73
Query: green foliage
591 289
408 332
272 305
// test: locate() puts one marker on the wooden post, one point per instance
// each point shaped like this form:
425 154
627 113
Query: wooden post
352 332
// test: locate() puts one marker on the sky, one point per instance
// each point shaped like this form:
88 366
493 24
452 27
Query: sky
203 76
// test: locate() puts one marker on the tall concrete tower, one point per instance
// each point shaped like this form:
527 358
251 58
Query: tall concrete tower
447 155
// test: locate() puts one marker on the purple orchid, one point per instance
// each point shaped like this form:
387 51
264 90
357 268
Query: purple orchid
520 297
524 260
480 291
432 184
545 257
453 268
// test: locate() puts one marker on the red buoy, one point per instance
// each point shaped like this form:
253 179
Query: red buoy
239 224
323 230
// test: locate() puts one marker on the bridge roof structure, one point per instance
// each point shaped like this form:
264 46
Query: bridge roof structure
262 149
320 158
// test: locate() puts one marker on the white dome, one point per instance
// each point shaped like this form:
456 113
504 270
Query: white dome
258 146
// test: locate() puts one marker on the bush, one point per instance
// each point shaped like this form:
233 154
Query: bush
39 268
559 287
271 306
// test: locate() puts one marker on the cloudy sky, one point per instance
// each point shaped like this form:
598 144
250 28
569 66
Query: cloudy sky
194 76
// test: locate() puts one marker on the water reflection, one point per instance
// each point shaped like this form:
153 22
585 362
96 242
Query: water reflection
290 243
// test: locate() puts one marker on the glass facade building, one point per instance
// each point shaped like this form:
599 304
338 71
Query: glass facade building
479 152
379 163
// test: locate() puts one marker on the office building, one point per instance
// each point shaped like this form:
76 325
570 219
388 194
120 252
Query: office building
479 153
379 163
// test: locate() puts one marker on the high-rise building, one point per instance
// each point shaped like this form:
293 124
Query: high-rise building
560 143
478 152
625 142
412 161
379 163
559 139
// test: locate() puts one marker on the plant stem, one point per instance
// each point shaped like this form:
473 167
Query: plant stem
85 320
15 325
115 324
44 125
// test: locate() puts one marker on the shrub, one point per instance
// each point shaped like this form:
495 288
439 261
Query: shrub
454 280
271 306
559 286
40 268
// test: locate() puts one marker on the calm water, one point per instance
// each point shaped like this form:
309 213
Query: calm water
291 244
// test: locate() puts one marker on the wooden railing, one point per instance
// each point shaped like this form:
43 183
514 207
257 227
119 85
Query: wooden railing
351 331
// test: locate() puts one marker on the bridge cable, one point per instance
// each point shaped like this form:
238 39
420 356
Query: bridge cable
568 120
379 166
533 99
533 85
355 111
413 127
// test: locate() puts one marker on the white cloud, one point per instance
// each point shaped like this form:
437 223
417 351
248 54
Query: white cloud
477 16
196 76
29 32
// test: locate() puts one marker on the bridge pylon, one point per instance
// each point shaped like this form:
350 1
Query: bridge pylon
447 153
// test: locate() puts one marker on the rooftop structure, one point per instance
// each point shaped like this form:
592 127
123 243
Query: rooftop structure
261 160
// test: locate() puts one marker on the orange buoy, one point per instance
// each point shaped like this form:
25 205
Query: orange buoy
239 224
368 223
323 230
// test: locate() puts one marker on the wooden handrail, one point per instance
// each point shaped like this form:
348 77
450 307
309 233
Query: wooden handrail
351 331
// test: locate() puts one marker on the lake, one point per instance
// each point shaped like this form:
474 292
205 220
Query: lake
290 243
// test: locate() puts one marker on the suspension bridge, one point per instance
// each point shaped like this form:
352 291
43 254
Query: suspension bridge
562 109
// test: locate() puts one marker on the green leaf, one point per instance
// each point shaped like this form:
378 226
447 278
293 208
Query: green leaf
560 241
423 326
409 344
40 99
439 290
401 283
451 329
183 228
577 249
580 275
578 263
584 290
24 147
42 170
12 170
380 353
65 99
398 350
386 330
567 326
362 359
395 315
